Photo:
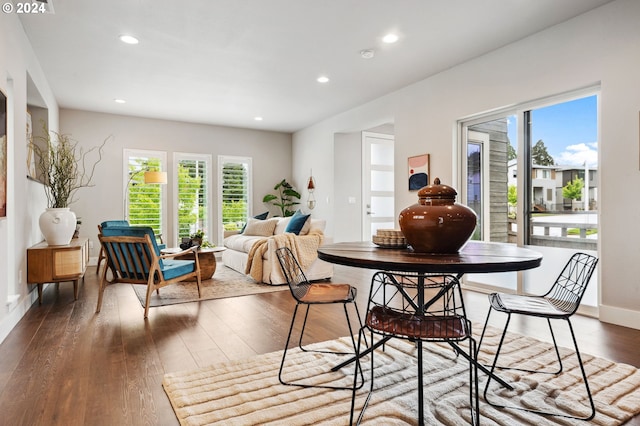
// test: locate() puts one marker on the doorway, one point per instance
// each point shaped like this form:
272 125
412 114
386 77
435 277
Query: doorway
377 183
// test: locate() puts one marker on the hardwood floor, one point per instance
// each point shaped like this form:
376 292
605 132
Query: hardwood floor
65 365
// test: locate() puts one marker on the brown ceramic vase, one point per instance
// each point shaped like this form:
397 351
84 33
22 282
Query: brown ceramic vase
437 224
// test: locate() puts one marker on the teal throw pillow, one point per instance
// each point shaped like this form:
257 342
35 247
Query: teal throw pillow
297 222
261 216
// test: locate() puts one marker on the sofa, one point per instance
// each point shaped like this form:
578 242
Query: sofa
253 251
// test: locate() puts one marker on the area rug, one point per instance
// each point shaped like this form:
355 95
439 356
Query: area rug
225 283
247 392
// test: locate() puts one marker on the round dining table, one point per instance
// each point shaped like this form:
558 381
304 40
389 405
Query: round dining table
474 257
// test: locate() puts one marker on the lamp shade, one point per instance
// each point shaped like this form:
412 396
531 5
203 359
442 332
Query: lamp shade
155 177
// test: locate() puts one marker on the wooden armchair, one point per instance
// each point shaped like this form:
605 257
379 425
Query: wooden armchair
133 256
108 223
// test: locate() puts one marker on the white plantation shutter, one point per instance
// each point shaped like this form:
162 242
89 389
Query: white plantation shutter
234 192
144 203
193 194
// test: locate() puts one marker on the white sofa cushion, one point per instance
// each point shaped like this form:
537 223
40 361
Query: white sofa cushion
263 228
313 225
241 242
282 225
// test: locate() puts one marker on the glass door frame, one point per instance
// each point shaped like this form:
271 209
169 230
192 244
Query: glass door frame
481 139
465 134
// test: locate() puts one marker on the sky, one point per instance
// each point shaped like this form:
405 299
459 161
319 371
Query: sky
569 131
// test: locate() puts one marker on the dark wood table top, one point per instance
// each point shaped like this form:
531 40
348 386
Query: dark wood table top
475 257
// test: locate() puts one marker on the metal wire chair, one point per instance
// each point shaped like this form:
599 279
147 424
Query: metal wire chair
560 302
307 293
420 309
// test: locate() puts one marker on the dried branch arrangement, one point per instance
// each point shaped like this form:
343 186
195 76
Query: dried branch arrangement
64 167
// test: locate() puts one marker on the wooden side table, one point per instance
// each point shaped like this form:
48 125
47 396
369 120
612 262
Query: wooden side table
206 258
56 264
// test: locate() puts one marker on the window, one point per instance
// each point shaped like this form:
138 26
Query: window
192 199
144 203
552 203
234 193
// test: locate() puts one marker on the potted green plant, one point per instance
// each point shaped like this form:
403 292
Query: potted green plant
64 168
197 238
286 198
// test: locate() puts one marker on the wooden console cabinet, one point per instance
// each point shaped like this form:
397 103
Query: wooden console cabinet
56 264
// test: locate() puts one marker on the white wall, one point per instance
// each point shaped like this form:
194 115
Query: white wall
598 47
25 199
271 153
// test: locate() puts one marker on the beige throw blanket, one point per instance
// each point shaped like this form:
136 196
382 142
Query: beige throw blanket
304 248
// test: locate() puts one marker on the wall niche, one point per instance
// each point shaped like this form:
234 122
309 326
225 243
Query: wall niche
37 124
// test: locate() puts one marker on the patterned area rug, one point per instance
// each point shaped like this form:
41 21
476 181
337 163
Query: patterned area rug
225 283
247 392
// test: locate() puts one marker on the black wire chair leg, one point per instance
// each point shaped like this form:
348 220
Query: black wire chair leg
545 413
304 326
420 385
356 349
286 346
473 383
354 353
495 359
366 343
361 334
584 374
486 322
555 346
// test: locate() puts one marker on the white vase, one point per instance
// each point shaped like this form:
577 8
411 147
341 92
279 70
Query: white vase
57 225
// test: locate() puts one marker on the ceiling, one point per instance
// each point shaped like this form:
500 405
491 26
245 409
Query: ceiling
226 62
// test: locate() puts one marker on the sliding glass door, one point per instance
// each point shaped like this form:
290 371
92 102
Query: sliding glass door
531 175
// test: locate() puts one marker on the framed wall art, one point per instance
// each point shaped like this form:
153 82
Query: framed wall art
418 171
3 155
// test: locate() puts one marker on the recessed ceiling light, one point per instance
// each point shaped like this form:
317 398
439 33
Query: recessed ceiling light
257 118
120 101
323 79
390 38
129 39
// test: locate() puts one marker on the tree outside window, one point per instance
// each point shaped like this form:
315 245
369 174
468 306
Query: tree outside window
192 198
234 192
573 190
144 207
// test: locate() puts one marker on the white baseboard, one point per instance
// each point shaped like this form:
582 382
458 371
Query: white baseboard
17 309
620 316
12 301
